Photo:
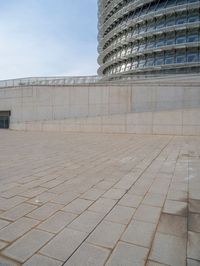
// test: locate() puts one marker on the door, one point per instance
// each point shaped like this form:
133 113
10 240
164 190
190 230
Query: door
4 119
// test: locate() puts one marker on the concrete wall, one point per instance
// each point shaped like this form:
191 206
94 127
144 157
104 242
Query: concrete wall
176 122
161 106
53 103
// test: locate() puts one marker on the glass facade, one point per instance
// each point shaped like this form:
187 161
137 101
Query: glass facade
143 36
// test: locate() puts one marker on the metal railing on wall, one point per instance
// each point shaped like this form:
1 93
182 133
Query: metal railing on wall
118 79
49 81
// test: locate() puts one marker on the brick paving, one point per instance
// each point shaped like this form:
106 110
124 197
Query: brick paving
93 200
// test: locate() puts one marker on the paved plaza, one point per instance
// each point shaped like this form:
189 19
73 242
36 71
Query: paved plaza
99 199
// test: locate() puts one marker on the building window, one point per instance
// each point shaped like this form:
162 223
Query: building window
151 25
171 3
128 66
118 69
142 46
192 57
152 7
181 38
150 43
192 1
170 39
159 59
170 21
161 5
181 2
128 50
123 52
134 64
193 17
160 41
141 63
193 36
181 57
135 48
181 19
142 28
129 34
135 31
123 67
169 60
150 62
160 23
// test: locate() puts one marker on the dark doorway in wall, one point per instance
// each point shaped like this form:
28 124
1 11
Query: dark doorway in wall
4 119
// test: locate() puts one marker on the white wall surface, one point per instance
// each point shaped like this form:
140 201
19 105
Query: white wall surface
175 122
162 106
53 103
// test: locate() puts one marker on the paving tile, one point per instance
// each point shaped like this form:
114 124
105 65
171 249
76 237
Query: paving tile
173 225
58 189
193 247
86 222
6 204
45 211
120 214
106 234
27 245
169 249
7 262
3 224
65 197
27 179
92 194
77 206
103 185
147 213
194 206
153 263
57 222
33 184
52 183
175 207
177 195
127 255
194 222
153 199
88 255
178 185
130 200
139 233
138 190
13 191
102 205
42 198
39 260
17 229
127 181
160 185
66 173
64 244
194 193
3 245
191 262
18 211
30 193
114 193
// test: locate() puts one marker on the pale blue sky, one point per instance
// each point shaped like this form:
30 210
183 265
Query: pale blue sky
48 37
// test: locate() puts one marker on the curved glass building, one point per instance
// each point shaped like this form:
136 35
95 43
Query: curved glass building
148 37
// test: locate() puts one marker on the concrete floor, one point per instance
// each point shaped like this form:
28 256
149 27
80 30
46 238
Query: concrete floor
92 200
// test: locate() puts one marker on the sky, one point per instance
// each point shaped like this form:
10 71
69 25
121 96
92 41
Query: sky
48 38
